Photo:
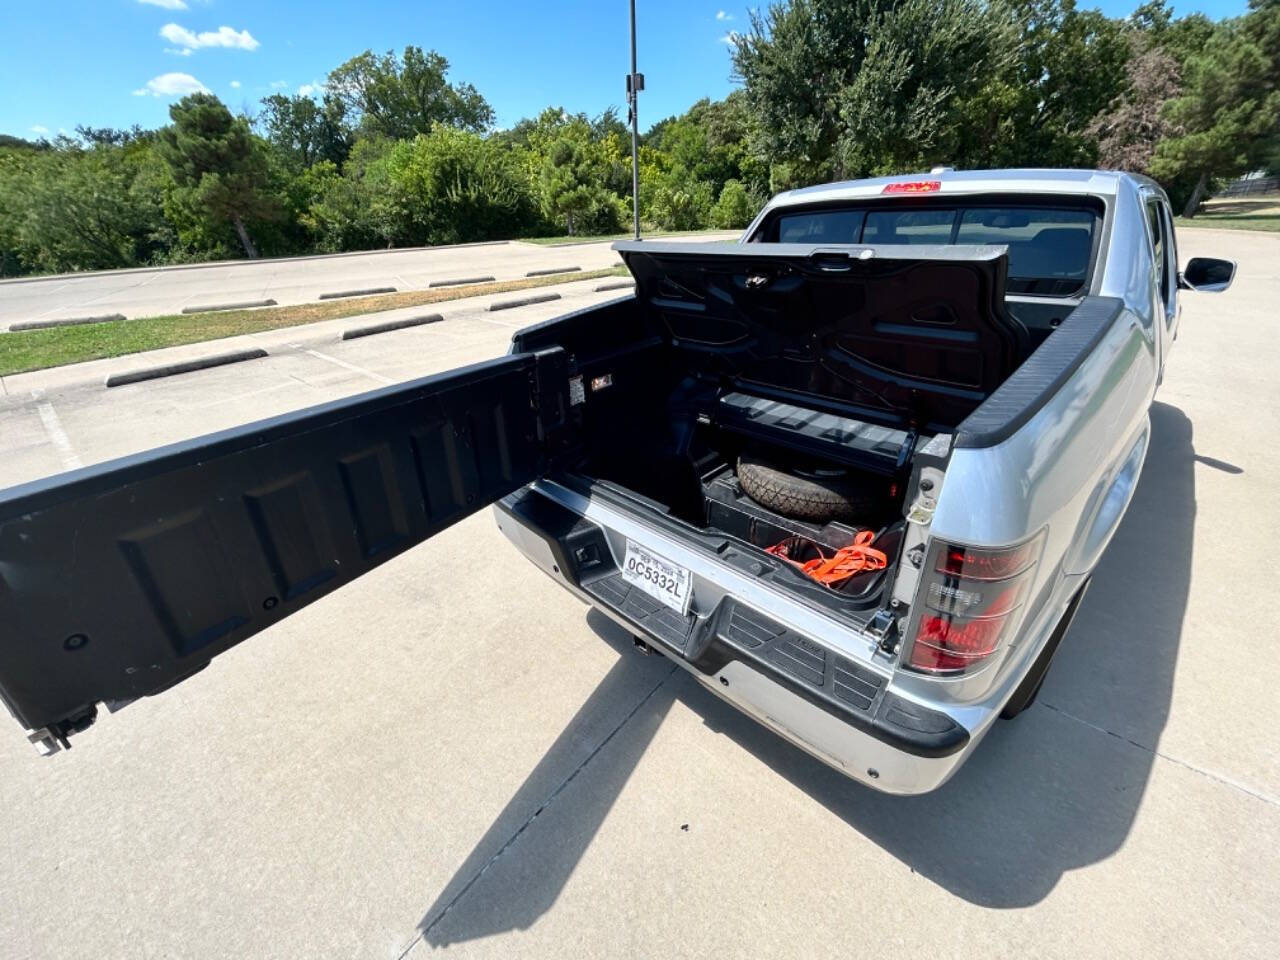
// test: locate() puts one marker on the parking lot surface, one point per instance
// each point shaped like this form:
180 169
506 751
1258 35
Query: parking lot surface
453 752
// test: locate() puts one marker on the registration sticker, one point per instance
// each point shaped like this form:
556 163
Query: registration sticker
661 579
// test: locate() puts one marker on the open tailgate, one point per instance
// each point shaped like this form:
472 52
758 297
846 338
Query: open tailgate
122 579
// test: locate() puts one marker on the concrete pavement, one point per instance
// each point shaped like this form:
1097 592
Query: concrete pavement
452 752
164 290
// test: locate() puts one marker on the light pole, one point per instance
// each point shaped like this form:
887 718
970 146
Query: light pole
635 83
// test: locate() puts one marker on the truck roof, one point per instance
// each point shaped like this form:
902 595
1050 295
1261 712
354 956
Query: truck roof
1091 182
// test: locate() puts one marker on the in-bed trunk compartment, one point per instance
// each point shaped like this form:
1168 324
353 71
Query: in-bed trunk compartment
827 361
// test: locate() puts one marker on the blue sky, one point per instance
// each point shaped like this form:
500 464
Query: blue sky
120 62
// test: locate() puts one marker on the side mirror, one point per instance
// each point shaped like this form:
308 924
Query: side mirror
1207 274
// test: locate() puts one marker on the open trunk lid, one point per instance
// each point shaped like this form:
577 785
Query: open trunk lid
915 336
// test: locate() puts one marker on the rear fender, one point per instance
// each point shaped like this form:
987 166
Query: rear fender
1108 504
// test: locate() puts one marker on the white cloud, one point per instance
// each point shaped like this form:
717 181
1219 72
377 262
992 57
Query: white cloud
721 15
171 85
310 89
40 129
222 37
235 84
167 4
730 37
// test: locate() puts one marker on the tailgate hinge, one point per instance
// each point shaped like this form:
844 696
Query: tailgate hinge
549 393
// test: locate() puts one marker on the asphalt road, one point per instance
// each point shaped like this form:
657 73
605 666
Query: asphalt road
454 752
142 293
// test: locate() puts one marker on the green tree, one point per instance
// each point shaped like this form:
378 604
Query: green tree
841 88
219 168
358 209
304 132
456 187
675 199
581 168
1229 111
72 208
399 97
1070 65
794 60
923 63
734 208
571 192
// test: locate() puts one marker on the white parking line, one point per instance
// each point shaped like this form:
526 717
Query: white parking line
58 437
350 366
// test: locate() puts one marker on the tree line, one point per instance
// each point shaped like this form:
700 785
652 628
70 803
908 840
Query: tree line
394 153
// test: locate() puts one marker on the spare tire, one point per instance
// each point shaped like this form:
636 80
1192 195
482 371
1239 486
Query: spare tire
815 497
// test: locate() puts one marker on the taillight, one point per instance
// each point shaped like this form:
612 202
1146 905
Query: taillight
970 600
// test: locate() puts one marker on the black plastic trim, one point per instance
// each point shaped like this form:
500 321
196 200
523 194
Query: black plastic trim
890 719
1042 375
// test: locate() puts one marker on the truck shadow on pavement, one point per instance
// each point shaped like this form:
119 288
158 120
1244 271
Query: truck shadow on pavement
1054 790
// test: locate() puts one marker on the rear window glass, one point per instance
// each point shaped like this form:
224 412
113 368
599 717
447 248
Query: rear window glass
830 226
909 226
1049 249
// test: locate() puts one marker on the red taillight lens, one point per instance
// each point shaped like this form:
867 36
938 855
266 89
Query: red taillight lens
974 564
970 600
913 186
943 643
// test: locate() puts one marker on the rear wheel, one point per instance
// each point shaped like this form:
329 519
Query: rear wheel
1021 699
819 496
1029 689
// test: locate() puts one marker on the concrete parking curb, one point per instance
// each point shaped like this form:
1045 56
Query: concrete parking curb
620 285
522 302
62 322
185 366
91 373
368 292
551 271
242 305
458 283
389 325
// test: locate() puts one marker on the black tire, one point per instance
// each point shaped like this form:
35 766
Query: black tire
817 499
1030 686
1021 700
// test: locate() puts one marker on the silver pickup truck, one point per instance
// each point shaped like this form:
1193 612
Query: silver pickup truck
853 472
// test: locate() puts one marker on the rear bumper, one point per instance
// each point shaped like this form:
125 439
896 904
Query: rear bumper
834 706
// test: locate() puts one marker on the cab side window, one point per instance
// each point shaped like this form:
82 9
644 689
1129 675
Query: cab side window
1156 226
1170 254
1164 257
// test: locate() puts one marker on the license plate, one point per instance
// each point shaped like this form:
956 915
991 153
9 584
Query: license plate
659 578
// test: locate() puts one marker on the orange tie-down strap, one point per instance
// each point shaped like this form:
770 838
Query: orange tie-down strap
857 557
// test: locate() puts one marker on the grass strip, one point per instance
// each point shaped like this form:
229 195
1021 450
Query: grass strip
40 349
1269 222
